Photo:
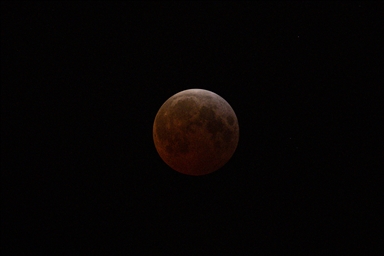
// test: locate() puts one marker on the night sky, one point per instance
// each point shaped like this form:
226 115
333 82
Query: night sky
81 83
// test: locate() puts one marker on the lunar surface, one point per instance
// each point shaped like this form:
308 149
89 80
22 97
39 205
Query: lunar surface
196 132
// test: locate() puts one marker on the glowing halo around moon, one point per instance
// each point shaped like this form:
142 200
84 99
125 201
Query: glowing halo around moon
196 132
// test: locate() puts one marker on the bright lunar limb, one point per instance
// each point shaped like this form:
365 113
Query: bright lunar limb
196 132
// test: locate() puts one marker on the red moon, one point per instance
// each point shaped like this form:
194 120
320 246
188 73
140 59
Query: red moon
196 132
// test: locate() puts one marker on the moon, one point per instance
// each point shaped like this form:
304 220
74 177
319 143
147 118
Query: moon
196 132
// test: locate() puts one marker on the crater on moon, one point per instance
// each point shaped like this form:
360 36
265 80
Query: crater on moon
195 132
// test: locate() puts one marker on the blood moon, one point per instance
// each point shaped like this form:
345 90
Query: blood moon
196 132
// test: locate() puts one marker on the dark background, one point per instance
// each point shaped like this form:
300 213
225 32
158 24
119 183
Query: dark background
81 83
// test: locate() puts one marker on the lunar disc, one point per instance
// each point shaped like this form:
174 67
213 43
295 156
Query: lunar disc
196 132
